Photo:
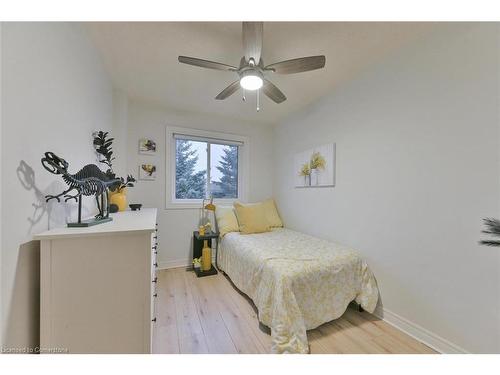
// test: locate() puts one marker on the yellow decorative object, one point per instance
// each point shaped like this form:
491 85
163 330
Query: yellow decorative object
305 170
205 214
119 197
208 227
210 205
226 220
197 262
317 161
203 229
206 257
251 218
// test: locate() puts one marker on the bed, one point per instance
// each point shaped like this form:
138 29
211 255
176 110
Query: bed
296 281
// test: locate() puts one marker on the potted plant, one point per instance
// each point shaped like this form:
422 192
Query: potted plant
197 263
118 192
118 195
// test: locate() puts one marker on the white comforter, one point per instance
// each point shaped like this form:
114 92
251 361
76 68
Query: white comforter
297 282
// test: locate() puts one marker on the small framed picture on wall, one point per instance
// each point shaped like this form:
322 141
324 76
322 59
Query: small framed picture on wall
147 146
147 172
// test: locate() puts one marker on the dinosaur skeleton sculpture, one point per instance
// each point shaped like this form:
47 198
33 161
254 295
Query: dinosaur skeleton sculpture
89 180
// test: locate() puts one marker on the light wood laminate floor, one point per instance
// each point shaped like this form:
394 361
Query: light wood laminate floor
209 315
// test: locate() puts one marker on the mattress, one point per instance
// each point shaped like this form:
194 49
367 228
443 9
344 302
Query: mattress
296 281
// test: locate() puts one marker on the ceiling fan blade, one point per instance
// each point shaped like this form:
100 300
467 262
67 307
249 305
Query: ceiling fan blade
252 40
229 90
302 64
273 92
205 63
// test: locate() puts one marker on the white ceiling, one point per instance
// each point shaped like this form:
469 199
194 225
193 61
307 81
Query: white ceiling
141 59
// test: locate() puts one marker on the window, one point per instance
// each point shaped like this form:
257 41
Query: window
204 165
190 169
223 171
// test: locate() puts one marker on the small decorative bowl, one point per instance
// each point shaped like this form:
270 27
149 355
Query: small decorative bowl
135 206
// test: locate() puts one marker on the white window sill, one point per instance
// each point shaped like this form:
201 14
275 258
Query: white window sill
179 205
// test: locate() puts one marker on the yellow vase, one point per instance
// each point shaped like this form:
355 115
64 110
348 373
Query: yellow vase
206 257
119 198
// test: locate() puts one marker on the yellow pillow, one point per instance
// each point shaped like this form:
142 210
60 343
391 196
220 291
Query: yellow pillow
273 218
251 218
226 220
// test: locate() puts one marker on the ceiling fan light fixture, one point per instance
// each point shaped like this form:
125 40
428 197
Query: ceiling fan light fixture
251 80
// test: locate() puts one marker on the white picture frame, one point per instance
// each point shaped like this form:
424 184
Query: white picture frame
315 167
147 146
147 172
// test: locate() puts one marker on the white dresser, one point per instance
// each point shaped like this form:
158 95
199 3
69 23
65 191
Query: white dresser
98 286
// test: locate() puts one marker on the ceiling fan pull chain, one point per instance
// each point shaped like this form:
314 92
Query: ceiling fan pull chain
258 100
244 95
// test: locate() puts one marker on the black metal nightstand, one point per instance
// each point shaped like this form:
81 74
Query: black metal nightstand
198 246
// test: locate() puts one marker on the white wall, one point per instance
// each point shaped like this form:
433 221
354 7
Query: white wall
119 132
1 182
55 93
176 226
417 170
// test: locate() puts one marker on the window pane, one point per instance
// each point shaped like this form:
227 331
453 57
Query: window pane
223 171
190 169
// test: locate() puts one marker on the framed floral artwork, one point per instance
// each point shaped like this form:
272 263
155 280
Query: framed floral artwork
315 167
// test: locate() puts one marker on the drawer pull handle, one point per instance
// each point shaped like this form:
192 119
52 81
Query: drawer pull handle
155 295
156 252
155 280
153 320
154 247
155 264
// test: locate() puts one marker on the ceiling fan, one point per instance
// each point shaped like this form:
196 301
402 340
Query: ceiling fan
251 71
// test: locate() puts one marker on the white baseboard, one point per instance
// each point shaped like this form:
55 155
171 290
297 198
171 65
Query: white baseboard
419 333
414 330
176 263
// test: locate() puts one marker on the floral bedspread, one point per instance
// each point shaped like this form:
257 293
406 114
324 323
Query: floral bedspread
297 281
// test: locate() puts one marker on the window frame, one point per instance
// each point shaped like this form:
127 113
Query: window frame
205 135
